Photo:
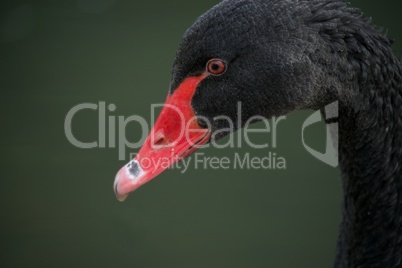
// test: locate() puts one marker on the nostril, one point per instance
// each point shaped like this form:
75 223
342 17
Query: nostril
160 141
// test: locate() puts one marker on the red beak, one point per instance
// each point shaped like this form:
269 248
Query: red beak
175 135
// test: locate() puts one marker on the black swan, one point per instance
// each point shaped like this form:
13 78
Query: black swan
276 56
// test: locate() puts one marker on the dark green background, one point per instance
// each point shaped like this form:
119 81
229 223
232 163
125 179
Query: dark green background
58 208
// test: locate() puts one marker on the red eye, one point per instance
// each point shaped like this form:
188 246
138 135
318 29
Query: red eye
216 67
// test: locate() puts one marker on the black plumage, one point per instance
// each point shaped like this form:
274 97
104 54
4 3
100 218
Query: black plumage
285 55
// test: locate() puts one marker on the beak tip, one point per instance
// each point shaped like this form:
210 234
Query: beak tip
121 197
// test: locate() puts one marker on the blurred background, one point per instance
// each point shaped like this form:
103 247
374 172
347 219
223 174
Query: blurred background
58 207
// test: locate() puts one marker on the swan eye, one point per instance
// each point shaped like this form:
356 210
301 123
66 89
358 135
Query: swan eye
216 67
